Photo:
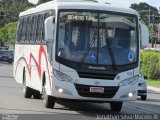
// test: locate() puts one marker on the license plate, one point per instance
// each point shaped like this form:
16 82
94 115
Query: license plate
97 89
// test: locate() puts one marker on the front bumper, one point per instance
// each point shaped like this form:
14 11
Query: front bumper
81 92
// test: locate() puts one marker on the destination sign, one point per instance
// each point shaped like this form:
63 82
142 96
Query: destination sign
80 17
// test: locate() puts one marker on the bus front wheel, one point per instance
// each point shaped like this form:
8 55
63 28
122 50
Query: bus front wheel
27 92
49 101
143 97
116 106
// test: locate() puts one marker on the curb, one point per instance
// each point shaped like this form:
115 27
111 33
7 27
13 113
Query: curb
153 89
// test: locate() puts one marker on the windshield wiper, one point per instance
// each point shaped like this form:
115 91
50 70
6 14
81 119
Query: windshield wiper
112 55
86 53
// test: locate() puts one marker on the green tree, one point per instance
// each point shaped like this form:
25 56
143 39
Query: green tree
8 33
149 14
3 35
11 29
13 8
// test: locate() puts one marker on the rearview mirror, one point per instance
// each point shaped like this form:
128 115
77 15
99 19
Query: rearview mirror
49 28
144 35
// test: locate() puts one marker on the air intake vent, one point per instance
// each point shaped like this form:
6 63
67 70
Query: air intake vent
97 75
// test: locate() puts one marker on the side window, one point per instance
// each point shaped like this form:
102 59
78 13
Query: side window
46 15
41 27
24 30
27 29
19 31
38 28
32 29
35 28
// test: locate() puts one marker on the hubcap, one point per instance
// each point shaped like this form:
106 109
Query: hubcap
44 96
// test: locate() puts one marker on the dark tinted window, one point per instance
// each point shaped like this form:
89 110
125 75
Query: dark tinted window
31 28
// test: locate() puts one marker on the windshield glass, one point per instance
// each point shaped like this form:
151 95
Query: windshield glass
97 38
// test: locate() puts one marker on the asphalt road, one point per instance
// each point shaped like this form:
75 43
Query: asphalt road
14 106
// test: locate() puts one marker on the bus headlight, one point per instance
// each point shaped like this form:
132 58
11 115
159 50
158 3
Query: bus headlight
62 77
129 81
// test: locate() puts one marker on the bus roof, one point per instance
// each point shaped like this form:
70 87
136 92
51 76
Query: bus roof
77 4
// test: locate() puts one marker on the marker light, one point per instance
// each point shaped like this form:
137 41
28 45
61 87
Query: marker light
130 94
60 90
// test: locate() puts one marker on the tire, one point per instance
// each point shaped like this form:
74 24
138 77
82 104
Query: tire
143 97
27 92
36 94
49 101
116 106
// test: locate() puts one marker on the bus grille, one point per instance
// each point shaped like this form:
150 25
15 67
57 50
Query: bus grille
84 91
97 76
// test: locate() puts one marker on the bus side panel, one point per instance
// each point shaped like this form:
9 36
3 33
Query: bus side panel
33 59
18 64
24 64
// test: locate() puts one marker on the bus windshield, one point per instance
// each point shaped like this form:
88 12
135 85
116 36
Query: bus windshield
97 38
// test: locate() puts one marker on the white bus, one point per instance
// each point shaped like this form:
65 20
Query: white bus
64 50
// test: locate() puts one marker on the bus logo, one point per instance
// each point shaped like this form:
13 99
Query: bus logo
96 83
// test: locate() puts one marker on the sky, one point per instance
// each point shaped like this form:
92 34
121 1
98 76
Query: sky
124 3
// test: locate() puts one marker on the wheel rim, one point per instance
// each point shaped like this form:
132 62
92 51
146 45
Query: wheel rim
44 96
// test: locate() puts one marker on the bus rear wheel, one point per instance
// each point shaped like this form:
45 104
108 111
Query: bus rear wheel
116 106
36 94
26 90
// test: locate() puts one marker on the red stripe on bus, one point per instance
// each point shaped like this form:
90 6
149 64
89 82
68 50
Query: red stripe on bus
38 64
22 58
